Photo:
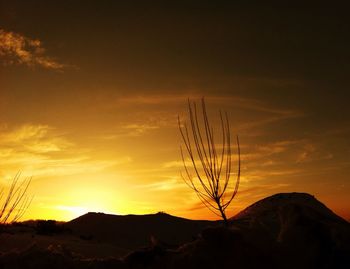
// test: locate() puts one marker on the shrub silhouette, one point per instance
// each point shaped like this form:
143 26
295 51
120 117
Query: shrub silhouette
209 171
49 227
15 202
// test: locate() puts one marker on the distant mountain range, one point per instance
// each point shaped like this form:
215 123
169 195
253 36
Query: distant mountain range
135 231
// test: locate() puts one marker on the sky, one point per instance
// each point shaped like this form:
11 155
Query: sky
90 92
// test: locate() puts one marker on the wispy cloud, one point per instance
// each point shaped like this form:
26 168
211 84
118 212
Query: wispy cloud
129 130
222 100
42 151
18 49
164 185
140 125
33 138
251 153
283 160
162 110
138 129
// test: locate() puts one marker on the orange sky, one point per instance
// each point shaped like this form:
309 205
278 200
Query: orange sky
90 94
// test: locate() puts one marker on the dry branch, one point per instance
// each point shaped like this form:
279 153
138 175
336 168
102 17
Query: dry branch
209 172
15 202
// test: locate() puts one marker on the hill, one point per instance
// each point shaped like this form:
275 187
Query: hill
283 231
286 230
135 231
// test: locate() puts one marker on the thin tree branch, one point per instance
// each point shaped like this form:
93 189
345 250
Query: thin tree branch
210 165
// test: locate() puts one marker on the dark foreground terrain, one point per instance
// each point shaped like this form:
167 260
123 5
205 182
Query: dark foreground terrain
289 230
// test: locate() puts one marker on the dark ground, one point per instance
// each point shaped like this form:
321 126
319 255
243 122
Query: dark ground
291 230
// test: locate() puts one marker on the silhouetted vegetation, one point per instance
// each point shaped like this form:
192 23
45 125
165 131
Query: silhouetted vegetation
49 227
209 172
15 202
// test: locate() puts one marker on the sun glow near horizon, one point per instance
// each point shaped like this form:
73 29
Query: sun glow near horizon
72 180
89 105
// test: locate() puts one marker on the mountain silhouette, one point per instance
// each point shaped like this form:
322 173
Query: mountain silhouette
286 230
283 231
299 229
269 207
284 217
134 231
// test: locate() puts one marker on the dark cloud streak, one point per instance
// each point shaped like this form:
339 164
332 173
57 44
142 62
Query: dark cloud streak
195 38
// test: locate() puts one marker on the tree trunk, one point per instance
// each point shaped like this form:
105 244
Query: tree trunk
223 215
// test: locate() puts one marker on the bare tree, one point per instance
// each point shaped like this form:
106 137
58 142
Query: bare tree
15 202
209 170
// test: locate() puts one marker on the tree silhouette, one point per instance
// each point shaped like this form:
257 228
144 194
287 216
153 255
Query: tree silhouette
15 202
209 170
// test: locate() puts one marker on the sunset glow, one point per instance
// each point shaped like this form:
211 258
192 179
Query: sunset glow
89 107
